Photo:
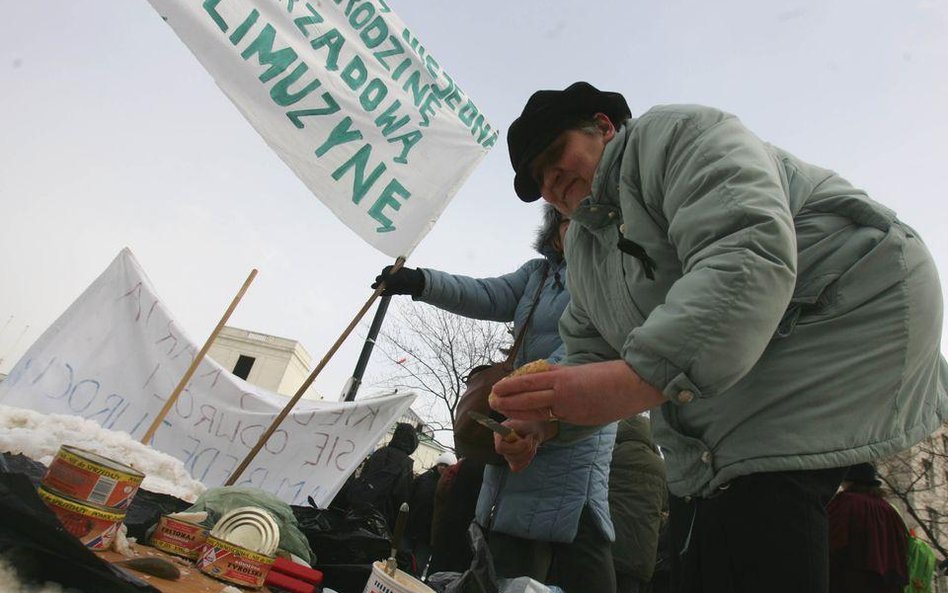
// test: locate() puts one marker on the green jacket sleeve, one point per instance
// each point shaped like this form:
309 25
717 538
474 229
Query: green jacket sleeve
729 221
582 340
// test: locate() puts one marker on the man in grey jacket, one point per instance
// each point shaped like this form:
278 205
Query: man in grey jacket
778 323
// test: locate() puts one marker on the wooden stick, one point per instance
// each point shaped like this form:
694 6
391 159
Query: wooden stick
309 380
197 360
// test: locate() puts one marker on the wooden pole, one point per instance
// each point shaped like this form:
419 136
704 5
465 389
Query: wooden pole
197 360
309 380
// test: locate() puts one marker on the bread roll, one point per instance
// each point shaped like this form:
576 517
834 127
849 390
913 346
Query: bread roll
537 366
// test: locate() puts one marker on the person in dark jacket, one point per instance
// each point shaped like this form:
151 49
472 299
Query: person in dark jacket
638 498
385 481
421 511
455 501
868 541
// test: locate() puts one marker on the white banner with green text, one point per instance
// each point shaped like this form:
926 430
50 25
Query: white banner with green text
350 99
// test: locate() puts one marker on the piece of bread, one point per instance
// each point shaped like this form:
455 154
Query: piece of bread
537 366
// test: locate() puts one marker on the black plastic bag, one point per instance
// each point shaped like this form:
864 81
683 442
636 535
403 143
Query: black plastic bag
479 578
21 464
145 510
345 543
344 537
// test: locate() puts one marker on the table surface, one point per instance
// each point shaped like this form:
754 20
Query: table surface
192 580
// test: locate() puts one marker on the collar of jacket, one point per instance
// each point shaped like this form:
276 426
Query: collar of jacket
601 208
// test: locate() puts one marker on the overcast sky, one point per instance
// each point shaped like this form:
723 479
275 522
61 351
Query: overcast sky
112 135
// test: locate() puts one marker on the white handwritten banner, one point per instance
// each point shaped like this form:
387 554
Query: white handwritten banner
350 99
116 354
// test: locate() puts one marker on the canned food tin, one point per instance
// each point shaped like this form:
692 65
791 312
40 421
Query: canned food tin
249 527
87 476
234 564
95 526
179 537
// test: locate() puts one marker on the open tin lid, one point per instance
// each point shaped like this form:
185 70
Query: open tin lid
251 528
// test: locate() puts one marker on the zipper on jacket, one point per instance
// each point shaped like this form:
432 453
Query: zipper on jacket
630 247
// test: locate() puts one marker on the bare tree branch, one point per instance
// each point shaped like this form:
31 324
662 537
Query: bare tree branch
918 482
431 351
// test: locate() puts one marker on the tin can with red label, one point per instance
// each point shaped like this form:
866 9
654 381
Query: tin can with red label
233 564
87 476
95 526
179 537
250 527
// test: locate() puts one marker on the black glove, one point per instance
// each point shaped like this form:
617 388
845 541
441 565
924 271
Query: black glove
404 281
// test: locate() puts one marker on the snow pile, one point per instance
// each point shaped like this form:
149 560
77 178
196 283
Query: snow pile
39 436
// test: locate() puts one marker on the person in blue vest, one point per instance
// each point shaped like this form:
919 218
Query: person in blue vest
556 512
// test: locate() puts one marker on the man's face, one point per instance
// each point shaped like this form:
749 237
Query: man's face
565 169
441 467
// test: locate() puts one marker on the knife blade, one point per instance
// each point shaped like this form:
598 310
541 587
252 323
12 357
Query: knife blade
391 565
506 433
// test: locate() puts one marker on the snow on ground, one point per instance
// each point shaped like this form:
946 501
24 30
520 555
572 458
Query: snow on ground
39 436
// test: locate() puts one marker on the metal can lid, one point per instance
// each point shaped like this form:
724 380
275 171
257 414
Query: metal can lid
105 462
240 550
249 527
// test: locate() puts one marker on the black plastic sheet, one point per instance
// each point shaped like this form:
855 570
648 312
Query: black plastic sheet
344 537
33 541
345 543
479 578
21 464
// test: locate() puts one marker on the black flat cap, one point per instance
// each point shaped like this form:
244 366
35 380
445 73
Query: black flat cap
546 115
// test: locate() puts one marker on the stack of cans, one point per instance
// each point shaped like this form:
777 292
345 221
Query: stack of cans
89 494
180 536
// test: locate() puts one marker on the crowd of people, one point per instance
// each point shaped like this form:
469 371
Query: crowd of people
739 333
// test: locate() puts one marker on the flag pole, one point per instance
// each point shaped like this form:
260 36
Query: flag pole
352 387
197 360
309 380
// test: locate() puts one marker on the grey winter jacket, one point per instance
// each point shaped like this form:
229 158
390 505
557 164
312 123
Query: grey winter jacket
793 322
544 501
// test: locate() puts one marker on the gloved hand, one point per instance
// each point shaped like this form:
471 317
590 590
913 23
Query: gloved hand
404 281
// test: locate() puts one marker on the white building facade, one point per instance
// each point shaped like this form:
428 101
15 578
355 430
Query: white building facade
281 365
273 363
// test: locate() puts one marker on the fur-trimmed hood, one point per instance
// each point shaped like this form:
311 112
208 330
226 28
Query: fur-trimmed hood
546 233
